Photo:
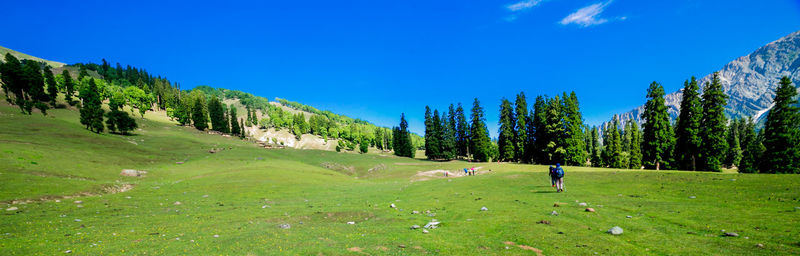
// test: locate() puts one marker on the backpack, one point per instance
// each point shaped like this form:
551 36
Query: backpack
559 172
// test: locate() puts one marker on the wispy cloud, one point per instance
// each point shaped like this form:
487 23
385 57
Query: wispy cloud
523 5
588 16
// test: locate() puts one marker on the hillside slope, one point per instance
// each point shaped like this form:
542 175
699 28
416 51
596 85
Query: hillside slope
749 81
20 55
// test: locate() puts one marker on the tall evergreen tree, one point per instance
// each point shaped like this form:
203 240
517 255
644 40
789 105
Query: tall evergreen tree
11 74
597 160
613 150
782 133
449 134
554 138
215 113
506 145
713 126
91 110
432 145
521 128
753 148
573 121
69 87
462 132
403 146
538 141
479 134
234 120
657 135
33 84
199 114
734 153
635 155
438 132
52 88
687 132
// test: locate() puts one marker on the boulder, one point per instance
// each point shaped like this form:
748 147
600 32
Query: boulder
589 209
582 204
731 234
12 209
132 173
285 226
351 222
424 231
392 206
615 231
554 213
484 208
415 227
432 224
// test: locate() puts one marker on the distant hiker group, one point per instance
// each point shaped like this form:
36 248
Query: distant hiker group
557 177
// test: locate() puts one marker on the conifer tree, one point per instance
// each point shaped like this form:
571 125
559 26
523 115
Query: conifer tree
505 140
449 134
11 74
215 113
574 138
635 155
52 88
782 133
432 145
687 132
479 134
613 150
538 142
69 87
462 132
242 131
597 160
713 126
91 111
33 84
199 114
753 148
521 128
554 138
657 135
734 153
403 146
234 120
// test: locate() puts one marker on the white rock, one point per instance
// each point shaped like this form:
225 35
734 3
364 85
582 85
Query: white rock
351 222
177 203
216 236
484 208
615 231
582 204
392 206
554 213
78 202
12 208
425 231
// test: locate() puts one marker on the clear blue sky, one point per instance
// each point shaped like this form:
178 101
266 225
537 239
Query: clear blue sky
376 59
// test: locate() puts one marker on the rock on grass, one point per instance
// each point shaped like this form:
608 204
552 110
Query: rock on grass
615 231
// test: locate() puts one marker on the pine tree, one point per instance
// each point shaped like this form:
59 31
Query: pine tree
521 129
734 153
597 160
69 87
538 142
635 161
215 113
11 74
403 145
612 153
33 84
479 134
554 138
436 144
713 126
782 133
753 148
449 134
462 132
657 135
687 132
91 111
199 114
52 88
363 146
234 120
505 140
242 130
432 145
573 120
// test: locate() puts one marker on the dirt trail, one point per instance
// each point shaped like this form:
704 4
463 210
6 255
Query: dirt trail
438 174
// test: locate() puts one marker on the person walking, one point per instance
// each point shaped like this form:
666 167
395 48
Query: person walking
552 175
559 176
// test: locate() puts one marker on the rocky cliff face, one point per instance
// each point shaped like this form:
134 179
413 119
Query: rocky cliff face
749 81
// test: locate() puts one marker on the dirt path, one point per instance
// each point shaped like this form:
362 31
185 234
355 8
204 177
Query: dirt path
438 174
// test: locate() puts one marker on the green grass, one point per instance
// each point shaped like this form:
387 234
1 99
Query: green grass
251 191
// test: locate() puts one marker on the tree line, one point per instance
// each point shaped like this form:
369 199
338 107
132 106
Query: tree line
552 131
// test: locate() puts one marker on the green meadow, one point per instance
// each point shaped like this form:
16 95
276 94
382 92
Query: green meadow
247 200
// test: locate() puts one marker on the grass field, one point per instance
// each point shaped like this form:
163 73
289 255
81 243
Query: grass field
233 202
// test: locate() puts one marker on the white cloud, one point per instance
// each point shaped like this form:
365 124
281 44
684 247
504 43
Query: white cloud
587 16
523 5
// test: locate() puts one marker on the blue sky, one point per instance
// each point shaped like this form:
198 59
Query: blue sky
376 59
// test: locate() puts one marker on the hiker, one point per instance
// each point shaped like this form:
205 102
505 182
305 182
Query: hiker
559 175
472 171
466 172
552 175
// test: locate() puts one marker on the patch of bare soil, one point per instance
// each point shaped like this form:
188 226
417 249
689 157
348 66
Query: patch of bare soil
438 174
525 247
105 190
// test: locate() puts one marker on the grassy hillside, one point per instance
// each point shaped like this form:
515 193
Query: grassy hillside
20 55
235 201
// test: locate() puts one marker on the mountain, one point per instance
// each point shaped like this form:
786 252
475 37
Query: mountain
20 55
749 81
